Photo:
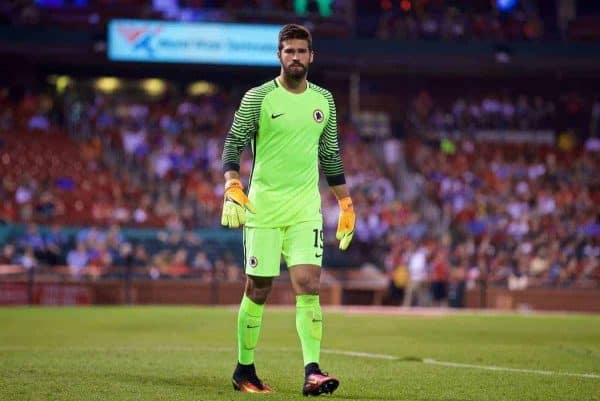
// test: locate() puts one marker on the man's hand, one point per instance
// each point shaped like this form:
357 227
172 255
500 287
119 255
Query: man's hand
345 228
235 204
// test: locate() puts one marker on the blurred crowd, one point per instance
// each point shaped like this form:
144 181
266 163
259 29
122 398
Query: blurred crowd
490 112
97 252
328 18
511 216
456 213
440 20
500 110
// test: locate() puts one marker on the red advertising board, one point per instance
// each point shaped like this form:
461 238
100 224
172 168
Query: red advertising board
45 294
13 293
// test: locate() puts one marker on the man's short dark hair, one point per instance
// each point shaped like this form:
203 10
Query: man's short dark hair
294 31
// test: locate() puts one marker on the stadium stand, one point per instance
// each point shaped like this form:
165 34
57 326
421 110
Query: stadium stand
460 182
482 211
387 19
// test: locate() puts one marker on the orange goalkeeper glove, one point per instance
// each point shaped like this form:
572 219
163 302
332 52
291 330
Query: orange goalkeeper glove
345 228
235 204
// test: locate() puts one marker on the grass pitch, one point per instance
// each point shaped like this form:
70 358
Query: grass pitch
188 353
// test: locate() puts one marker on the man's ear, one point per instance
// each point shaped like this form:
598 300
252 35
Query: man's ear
312 56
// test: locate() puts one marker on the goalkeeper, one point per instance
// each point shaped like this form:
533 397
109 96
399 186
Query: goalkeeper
291 126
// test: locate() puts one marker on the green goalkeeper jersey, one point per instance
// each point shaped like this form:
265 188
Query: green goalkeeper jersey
290 135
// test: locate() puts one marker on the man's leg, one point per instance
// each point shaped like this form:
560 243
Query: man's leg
250 316
408 294
309 319
262 254
309 324
248 330
303 252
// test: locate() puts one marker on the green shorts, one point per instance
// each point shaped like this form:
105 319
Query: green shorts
299 244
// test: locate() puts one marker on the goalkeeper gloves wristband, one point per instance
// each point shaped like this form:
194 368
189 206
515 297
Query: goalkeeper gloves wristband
235 204
346 220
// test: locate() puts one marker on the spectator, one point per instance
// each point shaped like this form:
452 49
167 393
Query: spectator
77 260
439 278
27 259
179 266
8 255
202 265
55 241
416 291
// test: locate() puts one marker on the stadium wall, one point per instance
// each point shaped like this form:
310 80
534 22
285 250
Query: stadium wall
546 299
195 292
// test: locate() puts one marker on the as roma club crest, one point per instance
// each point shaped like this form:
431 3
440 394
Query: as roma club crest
318 116
252 261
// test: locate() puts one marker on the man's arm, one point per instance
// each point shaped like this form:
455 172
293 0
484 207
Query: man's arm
340 191
232 175
329 149
347 218
331 163
243 128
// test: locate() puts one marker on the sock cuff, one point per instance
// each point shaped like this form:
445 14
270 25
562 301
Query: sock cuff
250 307
307 300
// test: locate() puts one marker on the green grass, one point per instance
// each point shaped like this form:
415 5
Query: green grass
188 353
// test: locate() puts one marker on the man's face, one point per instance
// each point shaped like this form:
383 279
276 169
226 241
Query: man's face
295 57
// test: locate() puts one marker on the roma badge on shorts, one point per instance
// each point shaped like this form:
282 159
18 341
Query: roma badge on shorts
252 261
318 115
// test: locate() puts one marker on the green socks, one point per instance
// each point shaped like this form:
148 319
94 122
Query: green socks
249 321
309 324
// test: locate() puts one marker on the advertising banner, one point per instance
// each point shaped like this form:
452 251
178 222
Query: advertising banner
179 42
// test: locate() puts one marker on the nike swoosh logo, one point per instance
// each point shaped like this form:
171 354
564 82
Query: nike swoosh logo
251 327
316 321
317 255
274 116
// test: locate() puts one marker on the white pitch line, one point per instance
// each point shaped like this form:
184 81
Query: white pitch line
504 369
430 361
358 354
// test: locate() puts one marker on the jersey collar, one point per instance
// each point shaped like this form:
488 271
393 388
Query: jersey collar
278 83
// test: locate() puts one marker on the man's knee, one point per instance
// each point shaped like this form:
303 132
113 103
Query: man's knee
308 282
258 288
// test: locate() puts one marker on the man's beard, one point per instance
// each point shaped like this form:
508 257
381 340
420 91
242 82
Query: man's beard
296 73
